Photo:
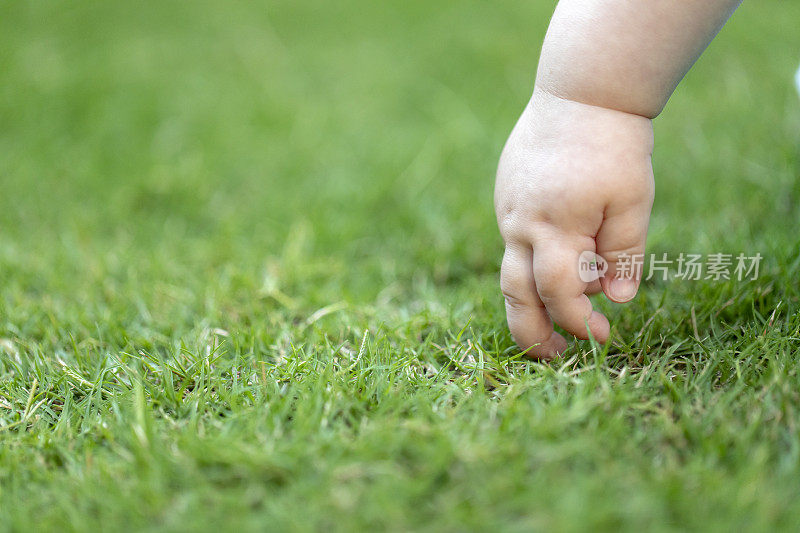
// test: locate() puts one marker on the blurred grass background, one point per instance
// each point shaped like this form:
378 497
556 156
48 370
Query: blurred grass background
305 175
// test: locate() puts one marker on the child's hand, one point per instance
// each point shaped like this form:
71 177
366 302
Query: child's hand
572 177
576 177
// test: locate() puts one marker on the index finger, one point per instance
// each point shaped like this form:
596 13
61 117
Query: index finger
561 290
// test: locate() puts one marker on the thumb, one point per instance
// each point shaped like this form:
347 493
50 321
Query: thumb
620 242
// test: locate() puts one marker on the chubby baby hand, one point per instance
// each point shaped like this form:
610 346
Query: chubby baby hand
573 178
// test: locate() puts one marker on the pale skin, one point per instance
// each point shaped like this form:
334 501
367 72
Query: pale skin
576 172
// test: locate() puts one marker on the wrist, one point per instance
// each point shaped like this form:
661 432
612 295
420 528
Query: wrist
553 115
601 93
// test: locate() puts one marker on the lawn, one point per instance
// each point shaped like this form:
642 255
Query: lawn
249 280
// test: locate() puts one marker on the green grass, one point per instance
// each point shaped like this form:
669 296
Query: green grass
248 278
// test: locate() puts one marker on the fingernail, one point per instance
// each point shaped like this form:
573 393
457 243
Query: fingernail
622 289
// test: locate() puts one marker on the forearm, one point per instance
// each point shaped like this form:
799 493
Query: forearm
627 55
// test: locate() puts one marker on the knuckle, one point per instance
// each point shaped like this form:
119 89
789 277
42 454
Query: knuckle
550 298
509 226
553 281
511 282
514 302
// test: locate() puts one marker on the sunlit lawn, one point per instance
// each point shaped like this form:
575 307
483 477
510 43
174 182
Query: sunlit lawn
248 278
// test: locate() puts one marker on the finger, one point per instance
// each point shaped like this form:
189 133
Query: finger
528 320
621 242
555 268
